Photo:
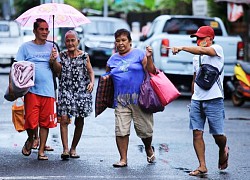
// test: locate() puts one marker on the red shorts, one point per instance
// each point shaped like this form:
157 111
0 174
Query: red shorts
39 110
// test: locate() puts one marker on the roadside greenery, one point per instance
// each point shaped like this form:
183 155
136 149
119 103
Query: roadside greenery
165 6
23 5
176 7
81 4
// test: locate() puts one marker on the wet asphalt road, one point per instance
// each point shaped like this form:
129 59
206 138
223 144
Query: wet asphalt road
172 141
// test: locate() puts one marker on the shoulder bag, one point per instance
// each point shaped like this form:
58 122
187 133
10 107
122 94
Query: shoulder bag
207 76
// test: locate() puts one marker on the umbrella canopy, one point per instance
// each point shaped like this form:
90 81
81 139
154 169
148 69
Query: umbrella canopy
56 15
61 15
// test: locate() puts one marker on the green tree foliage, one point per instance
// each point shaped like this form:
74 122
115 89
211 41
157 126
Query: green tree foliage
81 4
23 5
183 7
127 6
150 4
218 10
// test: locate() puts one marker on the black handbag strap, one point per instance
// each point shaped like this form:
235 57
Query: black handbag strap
218 80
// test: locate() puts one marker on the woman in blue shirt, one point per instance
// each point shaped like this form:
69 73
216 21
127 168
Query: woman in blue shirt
127 68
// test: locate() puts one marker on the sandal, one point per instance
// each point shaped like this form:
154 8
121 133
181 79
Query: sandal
42 157
120 164
151 159
26 151
224 164
65 156
197 172
74 155
48 148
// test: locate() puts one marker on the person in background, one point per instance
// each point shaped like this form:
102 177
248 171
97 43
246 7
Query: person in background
76 84
39 102
127 68
207 104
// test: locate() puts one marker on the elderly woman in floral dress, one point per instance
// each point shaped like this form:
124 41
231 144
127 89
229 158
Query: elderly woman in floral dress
75 87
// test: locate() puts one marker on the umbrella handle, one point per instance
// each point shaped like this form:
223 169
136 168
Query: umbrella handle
53 19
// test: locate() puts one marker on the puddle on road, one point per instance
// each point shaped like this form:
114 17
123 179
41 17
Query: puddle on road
239 118
55 140
188 171
162 148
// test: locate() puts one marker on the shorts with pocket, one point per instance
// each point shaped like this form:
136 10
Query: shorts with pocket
143 122
39 111
212 110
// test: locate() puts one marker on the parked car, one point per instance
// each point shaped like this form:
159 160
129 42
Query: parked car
97 38
175 30
27 33
10 40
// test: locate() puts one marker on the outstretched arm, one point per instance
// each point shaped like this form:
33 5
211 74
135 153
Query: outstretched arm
195 50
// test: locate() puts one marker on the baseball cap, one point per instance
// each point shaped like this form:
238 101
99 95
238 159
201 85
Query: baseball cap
204 31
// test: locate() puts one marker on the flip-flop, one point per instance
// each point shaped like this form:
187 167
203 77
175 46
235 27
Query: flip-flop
42 157
48 148
65 156
25 150
224 165
120 164
197 172
151 159
74 155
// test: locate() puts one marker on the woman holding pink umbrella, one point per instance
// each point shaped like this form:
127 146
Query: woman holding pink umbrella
39 102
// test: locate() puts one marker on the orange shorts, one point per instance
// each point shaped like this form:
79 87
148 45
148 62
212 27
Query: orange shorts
39 111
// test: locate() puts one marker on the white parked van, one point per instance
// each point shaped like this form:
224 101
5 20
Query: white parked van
10 40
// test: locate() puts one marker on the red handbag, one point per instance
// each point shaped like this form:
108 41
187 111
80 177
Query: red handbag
163 87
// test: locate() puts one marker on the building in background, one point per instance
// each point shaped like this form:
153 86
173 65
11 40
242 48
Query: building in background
235 11
199 7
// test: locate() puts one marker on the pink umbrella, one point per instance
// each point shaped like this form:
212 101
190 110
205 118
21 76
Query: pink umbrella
57 15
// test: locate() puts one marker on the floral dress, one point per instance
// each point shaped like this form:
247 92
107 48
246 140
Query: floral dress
73 97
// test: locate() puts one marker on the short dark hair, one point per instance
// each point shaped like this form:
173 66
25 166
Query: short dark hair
37 22
123 31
